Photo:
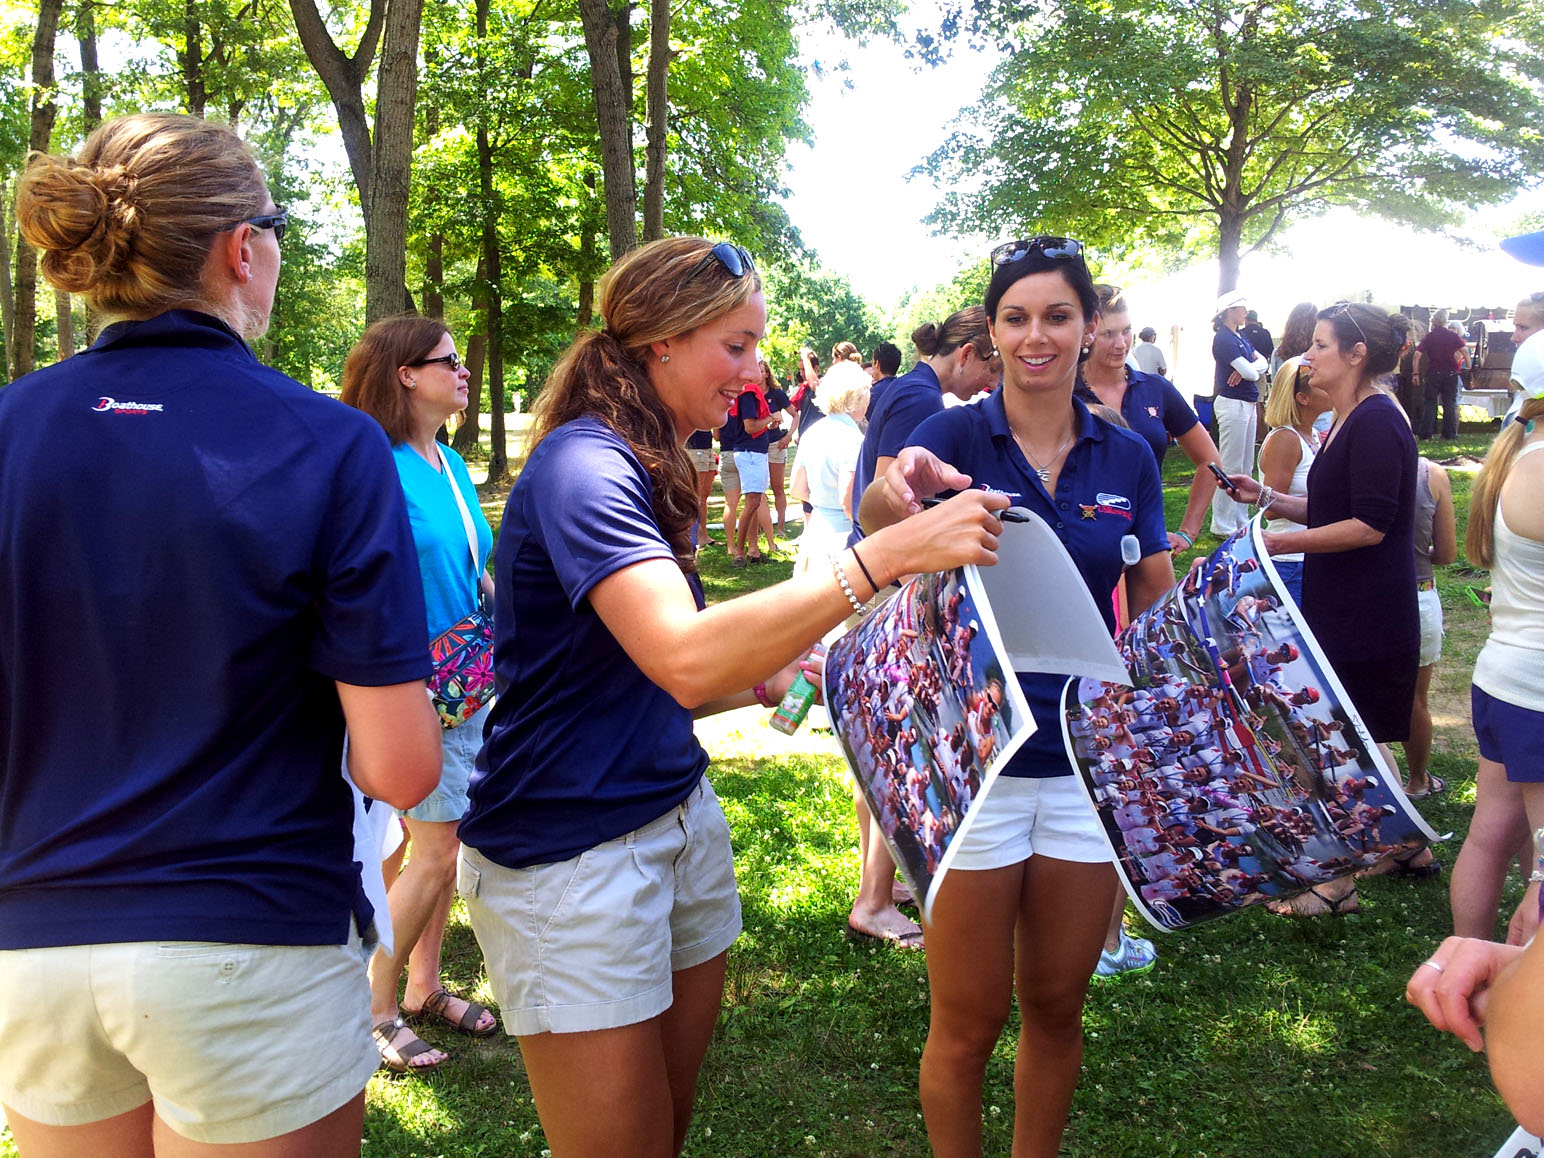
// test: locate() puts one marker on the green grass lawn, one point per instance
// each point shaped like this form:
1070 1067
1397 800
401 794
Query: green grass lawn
1254 1036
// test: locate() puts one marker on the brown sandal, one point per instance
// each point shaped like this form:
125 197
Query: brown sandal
398 1058
436 1007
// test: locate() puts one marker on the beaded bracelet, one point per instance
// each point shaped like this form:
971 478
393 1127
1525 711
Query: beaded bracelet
1266 497
841 577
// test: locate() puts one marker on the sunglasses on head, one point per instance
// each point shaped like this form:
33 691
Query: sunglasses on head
451 360
1054 248
277 221
1345 308
735 260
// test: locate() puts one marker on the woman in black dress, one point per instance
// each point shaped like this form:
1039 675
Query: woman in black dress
1359 589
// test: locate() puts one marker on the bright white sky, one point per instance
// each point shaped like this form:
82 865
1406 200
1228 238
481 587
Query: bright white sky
850 198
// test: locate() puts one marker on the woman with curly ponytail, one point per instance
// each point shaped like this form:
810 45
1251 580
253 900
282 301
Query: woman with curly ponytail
596 865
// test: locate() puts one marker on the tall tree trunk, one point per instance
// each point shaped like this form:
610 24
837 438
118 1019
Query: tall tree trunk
44 109
492 282
343 77
1230 235
603 38
476 356
191 60
391 163
65 322
658 111
7 298
434 255
91 108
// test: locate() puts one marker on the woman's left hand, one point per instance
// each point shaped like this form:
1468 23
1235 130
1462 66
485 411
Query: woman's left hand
1452 986
813 664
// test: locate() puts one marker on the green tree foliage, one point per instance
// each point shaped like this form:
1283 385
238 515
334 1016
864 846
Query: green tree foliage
1196 125
966 288
808 307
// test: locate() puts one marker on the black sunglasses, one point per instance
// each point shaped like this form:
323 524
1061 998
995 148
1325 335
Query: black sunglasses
732 257
451 360
1345 308
278 221
1055 248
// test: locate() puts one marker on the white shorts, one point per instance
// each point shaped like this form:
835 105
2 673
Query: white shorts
1430 604
1024 816
755 474
591 943
233 1043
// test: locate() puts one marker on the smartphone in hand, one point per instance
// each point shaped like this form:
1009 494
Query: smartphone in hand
1222 478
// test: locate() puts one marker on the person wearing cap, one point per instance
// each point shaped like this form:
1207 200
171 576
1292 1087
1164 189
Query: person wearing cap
1506 534
1239 367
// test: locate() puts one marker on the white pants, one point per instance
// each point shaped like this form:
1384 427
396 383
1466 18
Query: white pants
1236 440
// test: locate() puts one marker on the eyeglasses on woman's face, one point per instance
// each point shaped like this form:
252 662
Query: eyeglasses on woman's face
278 221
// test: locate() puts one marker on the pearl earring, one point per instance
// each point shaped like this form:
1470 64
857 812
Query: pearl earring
664 358
412 383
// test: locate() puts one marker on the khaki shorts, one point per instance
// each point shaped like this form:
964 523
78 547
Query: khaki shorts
703 459
591 943
728 473
233 1043
776 455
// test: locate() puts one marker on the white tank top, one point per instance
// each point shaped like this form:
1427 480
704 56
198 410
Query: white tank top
1511 664
1299 488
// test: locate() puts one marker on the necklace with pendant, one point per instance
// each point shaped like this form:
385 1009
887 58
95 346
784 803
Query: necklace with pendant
1044 471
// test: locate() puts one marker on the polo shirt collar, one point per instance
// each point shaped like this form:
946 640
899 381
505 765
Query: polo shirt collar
175 327
996 411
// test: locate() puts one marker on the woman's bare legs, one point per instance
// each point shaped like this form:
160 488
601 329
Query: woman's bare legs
628 1090
1499 828
780 497
704 491
970 981
1063 912
745 533
873 910
140 1134
1418 746
731 524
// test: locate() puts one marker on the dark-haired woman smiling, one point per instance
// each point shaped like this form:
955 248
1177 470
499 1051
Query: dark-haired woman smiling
1028 900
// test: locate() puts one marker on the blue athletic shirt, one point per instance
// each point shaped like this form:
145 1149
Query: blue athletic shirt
581 747
450 591
193 547
876 392
1108 488
915 396
1226 345
1154 409
731 434
699 440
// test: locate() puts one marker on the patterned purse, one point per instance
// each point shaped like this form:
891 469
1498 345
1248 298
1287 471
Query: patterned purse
463 654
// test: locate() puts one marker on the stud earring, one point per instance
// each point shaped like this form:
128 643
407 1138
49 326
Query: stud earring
412 383
664 358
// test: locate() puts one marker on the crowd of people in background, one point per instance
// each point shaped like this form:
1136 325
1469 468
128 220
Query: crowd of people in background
267 582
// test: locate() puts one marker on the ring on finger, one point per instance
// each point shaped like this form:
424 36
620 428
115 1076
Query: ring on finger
1432 965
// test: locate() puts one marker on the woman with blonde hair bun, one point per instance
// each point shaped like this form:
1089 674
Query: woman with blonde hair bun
226 557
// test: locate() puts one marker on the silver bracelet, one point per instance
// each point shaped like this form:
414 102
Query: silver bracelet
841 577
1536 877
1266 497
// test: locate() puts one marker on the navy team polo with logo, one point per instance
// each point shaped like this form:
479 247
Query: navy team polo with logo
1108 488
1154 409
907 402
193 548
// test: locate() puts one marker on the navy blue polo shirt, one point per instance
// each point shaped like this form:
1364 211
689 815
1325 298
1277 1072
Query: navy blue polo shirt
1154 409
193 547
1108 488
1227 345
746 408
732 433
809 413
876 392
699 440
909 400
581 746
